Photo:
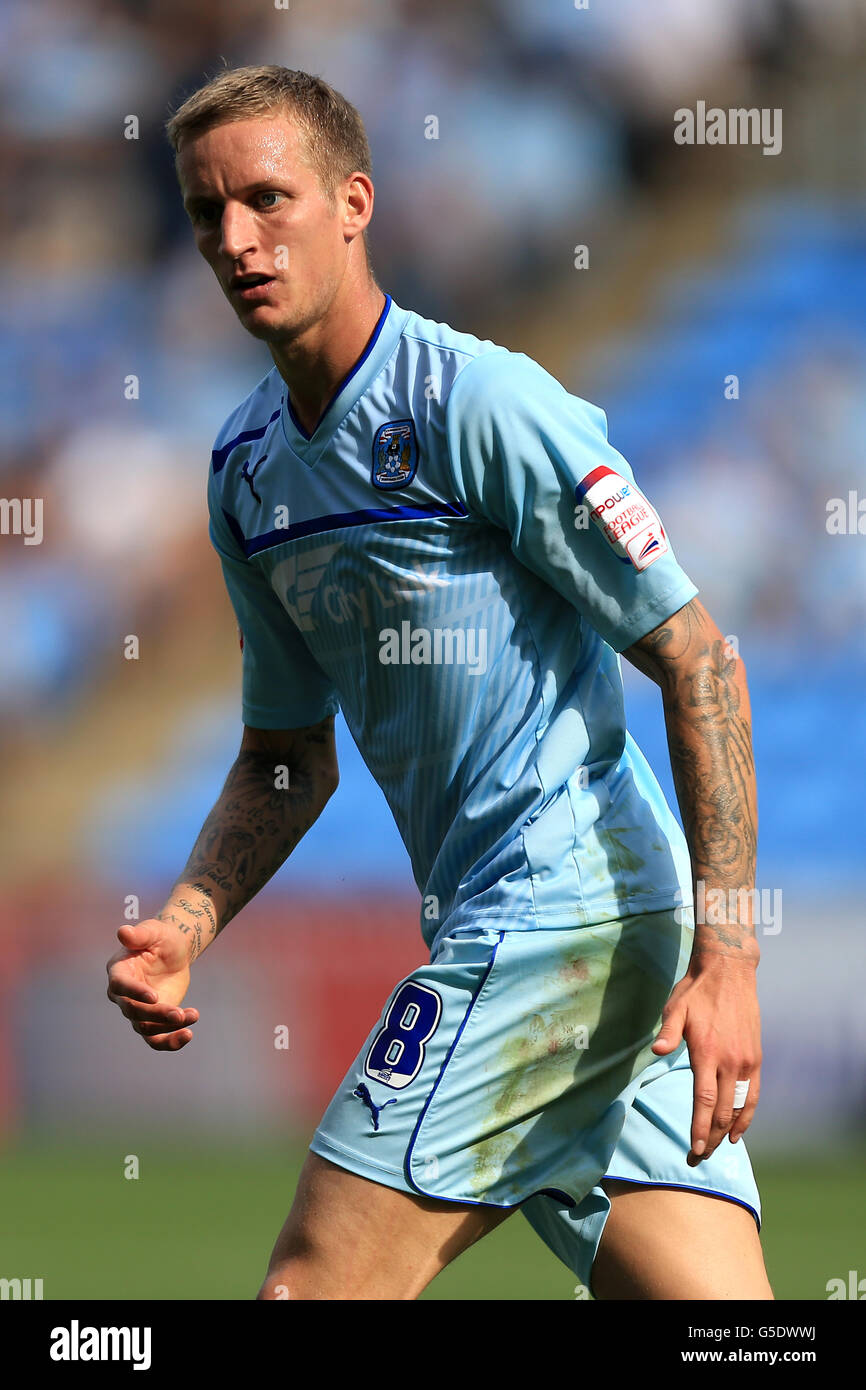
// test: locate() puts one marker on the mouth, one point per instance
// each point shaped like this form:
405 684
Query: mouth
252 285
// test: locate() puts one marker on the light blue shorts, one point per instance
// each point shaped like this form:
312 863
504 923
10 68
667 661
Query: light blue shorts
516 1070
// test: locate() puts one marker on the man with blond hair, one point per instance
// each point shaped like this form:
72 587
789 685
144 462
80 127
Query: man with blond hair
575 1046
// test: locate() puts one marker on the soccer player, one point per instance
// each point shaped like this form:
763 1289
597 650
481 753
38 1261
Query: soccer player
427 531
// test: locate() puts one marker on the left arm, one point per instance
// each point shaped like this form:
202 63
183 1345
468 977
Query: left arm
523 452
714 1007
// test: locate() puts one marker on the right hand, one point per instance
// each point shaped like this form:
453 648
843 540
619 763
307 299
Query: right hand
148 979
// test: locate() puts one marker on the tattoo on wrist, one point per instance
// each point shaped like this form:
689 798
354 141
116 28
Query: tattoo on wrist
192 930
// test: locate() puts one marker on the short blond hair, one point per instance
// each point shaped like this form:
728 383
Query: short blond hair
332 128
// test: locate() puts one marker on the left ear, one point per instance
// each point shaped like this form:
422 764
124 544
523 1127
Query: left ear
357 196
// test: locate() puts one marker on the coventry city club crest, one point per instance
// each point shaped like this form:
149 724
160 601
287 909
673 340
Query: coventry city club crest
395 454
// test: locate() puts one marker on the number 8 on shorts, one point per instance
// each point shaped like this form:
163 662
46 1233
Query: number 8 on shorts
397 1053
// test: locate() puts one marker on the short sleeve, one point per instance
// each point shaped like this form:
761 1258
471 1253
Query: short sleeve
534 460
283 685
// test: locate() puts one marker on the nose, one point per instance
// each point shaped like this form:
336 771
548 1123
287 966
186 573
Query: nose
236 231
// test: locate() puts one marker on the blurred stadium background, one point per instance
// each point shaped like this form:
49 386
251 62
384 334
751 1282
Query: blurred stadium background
555 131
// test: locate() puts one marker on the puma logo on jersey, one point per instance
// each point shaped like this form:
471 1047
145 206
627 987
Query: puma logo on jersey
248 476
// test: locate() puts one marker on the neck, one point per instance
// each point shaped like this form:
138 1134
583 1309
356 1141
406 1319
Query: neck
314 364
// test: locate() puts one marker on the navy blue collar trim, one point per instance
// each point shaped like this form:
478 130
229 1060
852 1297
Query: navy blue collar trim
346 379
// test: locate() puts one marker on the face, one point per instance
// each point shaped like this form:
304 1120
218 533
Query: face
275 241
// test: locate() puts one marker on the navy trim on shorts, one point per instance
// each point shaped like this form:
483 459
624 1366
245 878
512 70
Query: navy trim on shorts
683 1187
407 1161
553 1192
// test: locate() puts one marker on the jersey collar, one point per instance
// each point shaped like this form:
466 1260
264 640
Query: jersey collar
383 340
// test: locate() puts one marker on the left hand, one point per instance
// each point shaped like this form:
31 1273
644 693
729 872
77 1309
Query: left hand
715 1009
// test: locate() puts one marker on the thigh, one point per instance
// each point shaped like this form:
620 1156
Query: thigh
500 1070
347 1237
668 1243
651 1154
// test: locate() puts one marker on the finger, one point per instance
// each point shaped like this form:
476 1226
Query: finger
723 1112
703 1107
138 937
169 1042
120 986
743 1118
185 1018
671 1032
166 1016
131 1008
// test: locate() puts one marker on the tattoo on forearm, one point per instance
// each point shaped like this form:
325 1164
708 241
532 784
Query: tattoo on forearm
710 740
251 830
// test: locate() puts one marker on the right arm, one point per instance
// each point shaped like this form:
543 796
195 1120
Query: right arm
288 706
277 787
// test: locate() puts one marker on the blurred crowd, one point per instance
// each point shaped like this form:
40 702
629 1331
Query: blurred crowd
548 117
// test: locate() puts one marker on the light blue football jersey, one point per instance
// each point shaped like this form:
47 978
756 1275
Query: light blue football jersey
454 559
